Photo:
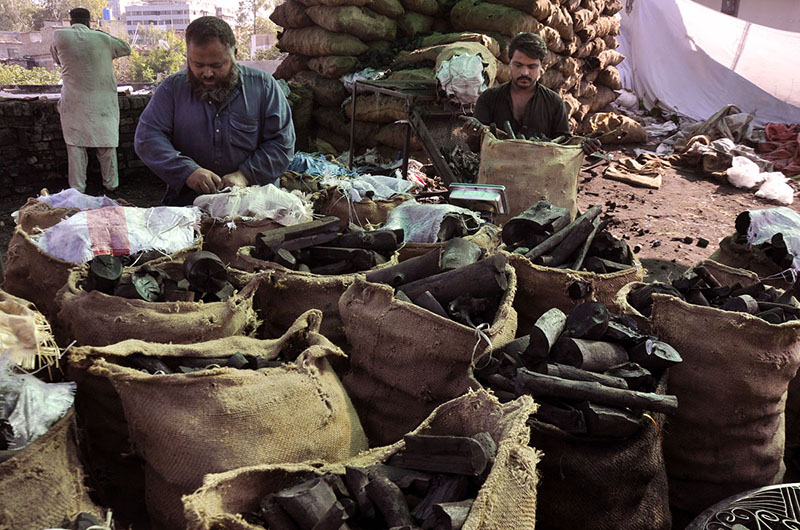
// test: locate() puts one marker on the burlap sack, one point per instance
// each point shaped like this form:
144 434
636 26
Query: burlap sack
389 8
289 67
33 274
93 318
539 9
753 259
426 7
394 136
37 214
310 3
471 48
332 202
333 66
503 73
283 295
188 425
438 39
314 41
329 142
327 92
406 360
475 15
360 22
542 288
411 23
613 128
332 118
728 434
378 108
607 25
605 96
603 485
623 307
225 240
42 484
290 14
531 171
301 101
609 77
487 237
507 499
413 74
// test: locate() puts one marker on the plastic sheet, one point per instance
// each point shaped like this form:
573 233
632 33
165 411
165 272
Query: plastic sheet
775 188
371 186
421 222
315 165
257 202
30 406
744 173
766 223
462 78
117 231
72 198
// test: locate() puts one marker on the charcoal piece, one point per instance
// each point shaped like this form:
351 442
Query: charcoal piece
356 480
104 271
636 376
544 334
238 361
460 455
654 355
609 422
444 488
459 252
563 416
205 271
389 501
448 515
589 320
540 219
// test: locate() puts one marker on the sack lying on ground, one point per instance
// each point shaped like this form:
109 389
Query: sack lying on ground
42 485
406 360
332 202
507 499
728 434
95 318
188 425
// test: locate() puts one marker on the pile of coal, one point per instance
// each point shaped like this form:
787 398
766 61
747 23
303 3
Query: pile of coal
205 278
593 373
700 287
775 249
544 234
430 485
453 282
319 248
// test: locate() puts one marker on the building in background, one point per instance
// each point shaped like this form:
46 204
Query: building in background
10 45
173 15
262 41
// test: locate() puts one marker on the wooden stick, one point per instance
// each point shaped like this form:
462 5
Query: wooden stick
544 333
548 386
552 241
593 355
585 249
408 271
479 280
565 371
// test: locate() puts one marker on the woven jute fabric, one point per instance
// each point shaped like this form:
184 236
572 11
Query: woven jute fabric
98 319
507 499
753 259
37 214
623 307
405 360
543 288
185 426
116 472
33 274
283 295
331 202
41 485
224 238
602 484
728 435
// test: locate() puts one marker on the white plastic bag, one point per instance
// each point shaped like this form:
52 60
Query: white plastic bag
374 186
766 223
117 230
29 405
72 198
421 222
462 78
775 188
257 202
744 173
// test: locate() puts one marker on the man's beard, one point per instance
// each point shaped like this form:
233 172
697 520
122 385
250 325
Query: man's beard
218 92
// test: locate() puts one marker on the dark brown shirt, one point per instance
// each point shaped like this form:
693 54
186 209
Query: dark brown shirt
545 115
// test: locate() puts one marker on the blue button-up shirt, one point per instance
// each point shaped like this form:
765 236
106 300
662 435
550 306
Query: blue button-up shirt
251 131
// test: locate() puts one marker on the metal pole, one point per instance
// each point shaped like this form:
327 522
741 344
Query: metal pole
352 125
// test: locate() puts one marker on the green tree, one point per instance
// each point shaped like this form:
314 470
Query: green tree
251 19
20 15
158 52
59 9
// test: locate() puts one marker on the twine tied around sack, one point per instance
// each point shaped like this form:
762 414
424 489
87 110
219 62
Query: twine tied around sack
782 275
481 336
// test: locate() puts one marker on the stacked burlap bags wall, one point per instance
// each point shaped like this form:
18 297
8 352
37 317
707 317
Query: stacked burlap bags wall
728 434
42 484
329 39
507 499
188 425
406 360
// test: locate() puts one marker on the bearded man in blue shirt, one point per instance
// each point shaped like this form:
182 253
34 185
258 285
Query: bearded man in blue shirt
215 124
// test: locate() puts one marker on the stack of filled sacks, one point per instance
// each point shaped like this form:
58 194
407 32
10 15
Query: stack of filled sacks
326 42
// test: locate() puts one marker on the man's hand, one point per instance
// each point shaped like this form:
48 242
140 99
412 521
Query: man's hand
591 145
236 178
203 181
471 127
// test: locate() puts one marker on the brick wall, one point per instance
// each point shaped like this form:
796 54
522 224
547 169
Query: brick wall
32 150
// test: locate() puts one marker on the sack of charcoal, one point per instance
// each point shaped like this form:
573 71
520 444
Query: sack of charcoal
562 263
188 298
467 466
310 265
765 242
599 382
236 217
415 329
215 406
740 341
331 202
38 265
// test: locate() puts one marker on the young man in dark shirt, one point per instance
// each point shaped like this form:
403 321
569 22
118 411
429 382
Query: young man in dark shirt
531 108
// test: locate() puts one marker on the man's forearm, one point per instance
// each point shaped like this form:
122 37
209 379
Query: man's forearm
269 161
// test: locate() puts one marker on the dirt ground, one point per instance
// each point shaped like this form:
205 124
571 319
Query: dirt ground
687 206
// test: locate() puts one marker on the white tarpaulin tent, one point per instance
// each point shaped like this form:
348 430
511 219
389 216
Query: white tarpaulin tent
685 57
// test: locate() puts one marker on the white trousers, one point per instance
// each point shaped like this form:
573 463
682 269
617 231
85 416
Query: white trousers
78 160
